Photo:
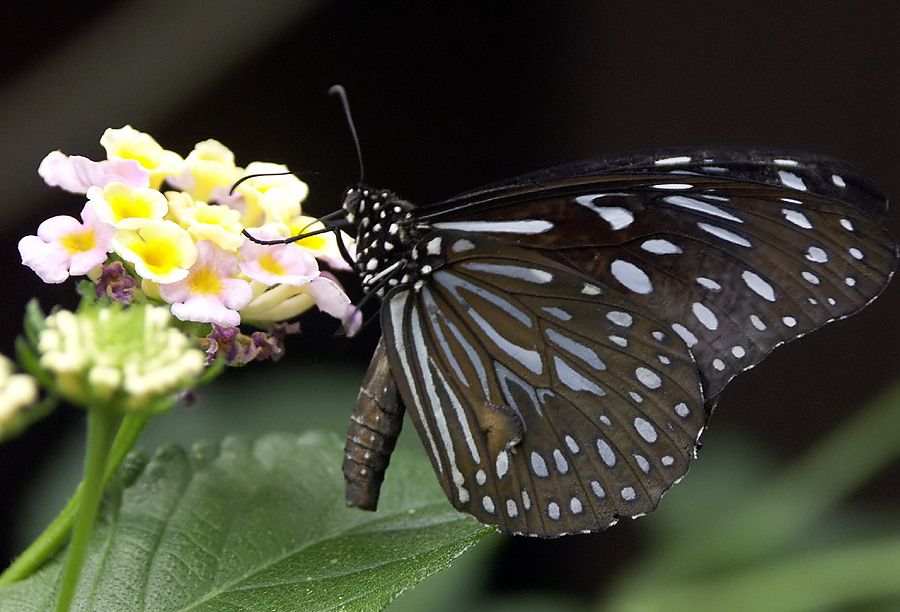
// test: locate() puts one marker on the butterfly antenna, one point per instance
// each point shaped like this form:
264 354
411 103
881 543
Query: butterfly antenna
251 176
341 93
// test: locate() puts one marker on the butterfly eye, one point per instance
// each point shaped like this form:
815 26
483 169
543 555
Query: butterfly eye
559 339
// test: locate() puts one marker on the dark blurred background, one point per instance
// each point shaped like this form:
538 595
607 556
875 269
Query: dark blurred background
447 97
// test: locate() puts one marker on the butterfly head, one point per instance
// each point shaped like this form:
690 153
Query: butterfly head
385 234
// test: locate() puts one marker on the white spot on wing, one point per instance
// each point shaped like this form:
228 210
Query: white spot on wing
648 377
645 430
755 282
573 380
700 206
687 335
789 179
661 247
724 234
530 275
606 453
809 277
559 313
631 276
838 180
706 316
538 465
585 353
642 463
562 466
523 226
671 161
433 247
708 283
797 218
617 217
502 464
816 254
462 245
553 511
622 319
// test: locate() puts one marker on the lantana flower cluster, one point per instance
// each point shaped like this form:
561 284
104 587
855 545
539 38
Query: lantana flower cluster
122 357
169 229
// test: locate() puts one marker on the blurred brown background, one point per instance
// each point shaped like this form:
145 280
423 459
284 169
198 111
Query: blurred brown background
447 97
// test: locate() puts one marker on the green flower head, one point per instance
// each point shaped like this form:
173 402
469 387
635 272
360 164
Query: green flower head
121 358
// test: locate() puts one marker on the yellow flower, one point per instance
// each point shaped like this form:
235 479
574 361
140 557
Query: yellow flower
129 143
160 251
127 207
218 224
208 167
323 246
270 198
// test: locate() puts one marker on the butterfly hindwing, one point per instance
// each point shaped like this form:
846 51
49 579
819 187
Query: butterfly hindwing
549 403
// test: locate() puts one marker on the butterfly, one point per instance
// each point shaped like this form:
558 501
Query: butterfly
560 339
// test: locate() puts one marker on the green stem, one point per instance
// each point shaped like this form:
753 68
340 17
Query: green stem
56 533
101 427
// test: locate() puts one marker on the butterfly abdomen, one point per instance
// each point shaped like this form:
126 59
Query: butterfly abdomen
374 427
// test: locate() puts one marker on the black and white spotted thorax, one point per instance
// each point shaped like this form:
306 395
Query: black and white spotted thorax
390 251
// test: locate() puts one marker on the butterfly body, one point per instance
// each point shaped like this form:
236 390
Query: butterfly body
559 339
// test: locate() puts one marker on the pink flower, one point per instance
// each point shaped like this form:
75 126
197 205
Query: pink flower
77 173
65 247
208 294
285 264
330 298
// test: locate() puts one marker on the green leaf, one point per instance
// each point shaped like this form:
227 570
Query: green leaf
258 525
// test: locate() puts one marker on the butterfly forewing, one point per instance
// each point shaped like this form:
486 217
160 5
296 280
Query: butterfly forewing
735 268
549 403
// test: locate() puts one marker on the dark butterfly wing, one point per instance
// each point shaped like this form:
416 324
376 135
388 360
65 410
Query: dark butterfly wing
737 253
816 174
553 361
548 403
